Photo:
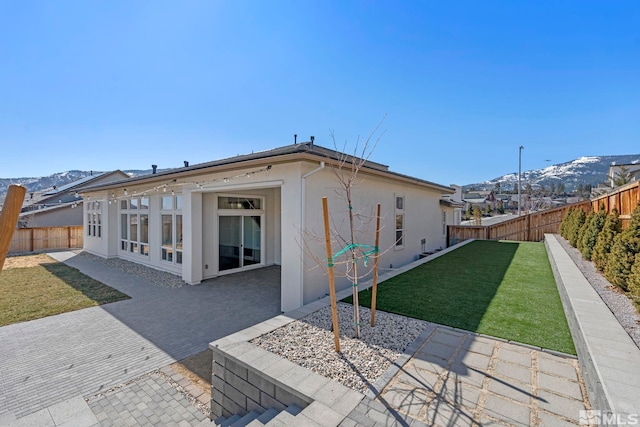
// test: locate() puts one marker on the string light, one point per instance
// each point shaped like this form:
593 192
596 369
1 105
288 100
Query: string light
174 183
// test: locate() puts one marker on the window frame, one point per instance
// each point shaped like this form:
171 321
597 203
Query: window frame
399 210
133 214
94 219
172 253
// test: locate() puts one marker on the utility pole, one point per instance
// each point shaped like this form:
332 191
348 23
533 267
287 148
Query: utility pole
519 178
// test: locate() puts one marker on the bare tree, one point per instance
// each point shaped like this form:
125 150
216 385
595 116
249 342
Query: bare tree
351 224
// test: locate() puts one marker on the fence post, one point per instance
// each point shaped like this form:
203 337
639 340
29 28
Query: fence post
69 237
9 218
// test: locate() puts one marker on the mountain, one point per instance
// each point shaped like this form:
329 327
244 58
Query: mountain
588 170
35 184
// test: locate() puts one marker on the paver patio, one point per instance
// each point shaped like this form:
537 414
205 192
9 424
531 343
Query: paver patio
49 360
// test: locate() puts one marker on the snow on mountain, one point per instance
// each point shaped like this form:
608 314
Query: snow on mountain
586 170
36 184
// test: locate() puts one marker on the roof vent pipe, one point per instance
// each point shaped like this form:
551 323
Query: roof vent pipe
312 138
186 164
155 168
295 138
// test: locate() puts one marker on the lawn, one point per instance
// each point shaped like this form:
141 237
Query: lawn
502 289
37 286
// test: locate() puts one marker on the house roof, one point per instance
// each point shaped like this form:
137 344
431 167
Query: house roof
49 208
72 184
301 151
451 203
81 182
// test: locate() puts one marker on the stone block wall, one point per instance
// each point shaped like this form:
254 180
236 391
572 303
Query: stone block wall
237 389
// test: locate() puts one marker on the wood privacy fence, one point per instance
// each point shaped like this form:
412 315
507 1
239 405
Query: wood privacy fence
624 199
530 227
40 239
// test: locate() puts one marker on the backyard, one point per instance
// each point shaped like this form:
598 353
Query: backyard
499 288
36 286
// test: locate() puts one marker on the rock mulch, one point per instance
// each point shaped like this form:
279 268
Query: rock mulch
619 304
158 277
309 342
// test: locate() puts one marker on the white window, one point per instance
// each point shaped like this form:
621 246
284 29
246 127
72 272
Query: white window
94 219
134 225
171 223
400 226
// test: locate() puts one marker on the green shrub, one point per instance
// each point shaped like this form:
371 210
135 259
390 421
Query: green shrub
589 232
634 277
577 219
564 225
605 239
623 253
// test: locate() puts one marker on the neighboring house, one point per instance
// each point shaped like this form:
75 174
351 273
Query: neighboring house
61 206
454 201
261 209
633 171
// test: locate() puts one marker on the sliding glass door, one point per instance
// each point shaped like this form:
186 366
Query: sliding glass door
240 232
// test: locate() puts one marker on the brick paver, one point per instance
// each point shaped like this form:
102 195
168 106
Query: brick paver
46 361
478 380
151 392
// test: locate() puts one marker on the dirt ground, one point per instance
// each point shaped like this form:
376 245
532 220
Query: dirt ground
27 261
197 369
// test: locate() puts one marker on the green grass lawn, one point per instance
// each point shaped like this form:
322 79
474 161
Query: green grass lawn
503 289
49 288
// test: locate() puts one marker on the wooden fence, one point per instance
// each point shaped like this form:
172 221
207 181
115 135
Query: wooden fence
624 199
530 227
39 239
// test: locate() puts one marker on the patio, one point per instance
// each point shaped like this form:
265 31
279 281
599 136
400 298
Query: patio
49 360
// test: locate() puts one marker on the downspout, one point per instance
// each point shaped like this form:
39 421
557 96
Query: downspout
303 187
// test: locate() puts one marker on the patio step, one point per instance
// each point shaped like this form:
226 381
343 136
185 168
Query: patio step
270 417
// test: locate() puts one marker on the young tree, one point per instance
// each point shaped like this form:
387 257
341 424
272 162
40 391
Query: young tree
357 221
623 252
487 208
577 219
500 207
622 177
477 216
589 232
634 278
610 230
552 189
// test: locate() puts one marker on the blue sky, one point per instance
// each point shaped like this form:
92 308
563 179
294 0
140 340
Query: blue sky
106 85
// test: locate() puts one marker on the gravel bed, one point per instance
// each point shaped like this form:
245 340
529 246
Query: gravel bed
157 277
309 342
619 304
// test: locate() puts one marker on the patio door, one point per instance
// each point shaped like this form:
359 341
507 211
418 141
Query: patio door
240 235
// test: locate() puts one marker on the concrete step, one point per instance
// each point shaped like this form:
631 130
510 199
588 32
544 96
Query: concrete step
246 419
229 421
293 409
286 417
267 415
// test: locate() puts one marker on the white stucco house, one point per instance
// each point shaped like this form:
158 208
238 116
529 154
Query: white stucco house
261 209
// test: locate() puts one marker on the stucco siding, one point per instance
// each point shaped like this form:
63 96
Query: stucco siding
422 220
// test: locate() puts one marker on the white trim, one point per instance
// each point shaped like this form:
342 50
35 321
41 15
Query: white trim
245 186
241 213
